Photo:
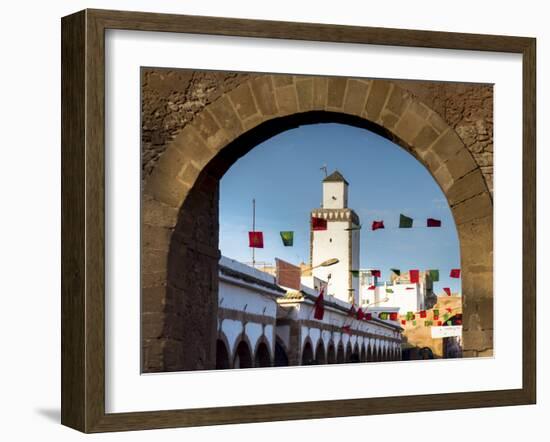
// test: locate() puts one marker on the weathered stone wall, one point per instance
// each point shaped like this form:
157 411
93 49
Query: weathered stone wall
468 109
196 125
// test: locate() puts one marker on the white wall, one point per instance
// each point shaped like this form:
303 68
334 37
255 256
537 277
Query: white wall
30 231
335 195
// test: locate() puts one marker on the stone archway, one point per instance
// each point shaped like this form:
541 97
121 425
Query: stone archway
307 353
180 196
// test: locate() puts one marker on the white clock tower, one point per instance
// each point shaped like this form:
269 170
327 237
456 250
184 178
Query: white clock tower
340 240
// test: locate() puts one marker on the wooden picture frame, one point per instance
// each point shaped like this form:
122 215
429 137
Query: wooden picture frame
83 220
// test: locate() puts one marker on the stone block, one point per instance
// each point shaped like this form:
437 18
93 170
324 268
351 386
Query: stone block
438 123
153 299
461 164
447 145
155 238
376 99
388 119
398 101
408 126
243 101
153 260
442 176
477 207
209 130
304 91
283 80
466 187
154 279
156 213
336 91
189 174
225 115
262 88
425 138
166 189
356 94
320 92
286 100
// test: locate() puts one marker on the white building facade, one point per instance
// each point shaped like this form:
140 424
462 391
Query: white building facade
339 241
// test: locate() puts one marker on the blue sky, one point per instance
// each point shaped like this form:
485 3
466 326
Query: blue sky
283 175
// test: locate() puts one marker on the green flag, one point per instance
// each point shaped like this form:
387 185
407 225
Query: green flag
410 315
383 315
446 316
389 291
288 238
428 323
414 323
405 222
434 275
355 273
396 271
436 312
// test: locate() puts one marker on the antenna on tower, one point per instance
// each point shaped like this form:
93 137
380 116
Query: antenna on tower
324 168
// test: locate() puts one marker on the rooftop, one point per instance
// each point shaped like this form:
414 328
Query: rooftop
335 177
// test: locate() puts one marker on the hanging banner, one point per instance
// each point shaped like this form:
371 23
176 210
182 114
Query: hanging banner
446 331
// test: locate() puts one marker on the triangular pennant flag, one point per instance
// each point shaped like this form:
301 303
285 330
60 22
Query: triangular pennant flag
375 273
447 290
393 316
396 271
405 222
256 240
434 275
320 305
288 238
455 273
318 223
389 290
377 225
433 222
413 276
360 313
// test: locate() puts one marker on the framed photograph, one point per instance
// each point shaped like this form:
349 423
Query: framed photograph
267 221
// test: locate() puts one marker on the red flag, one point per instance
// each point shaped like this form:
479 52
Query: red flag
436 317
433 222
403 322
393 316
318 223
346 329
449 309
423 314
375 273
458 321
439 323
377 225
320 306
360 314
352 310
413 274
368 316
455 273
447 290
371 287
256 240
